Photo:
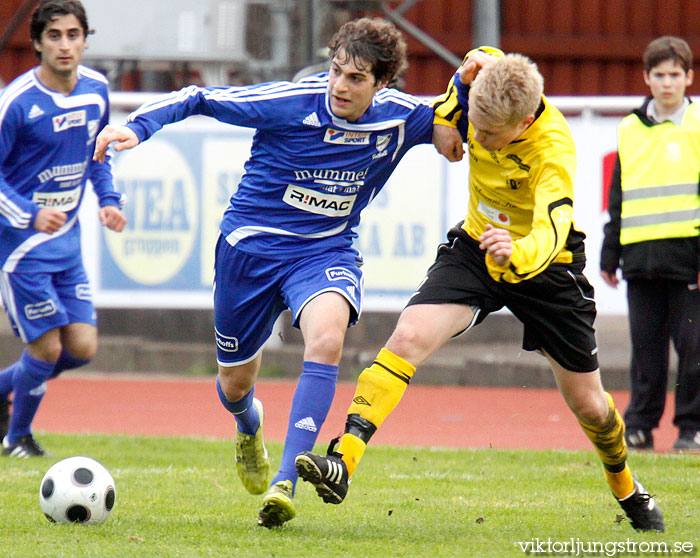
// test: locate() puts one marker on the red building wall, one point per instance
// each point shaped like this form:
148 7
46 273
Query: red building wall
582 47
18 55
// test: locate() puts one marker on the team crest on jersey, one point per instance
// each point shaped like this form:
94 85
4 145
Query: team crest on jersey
517 183
68 120
383 141
341 137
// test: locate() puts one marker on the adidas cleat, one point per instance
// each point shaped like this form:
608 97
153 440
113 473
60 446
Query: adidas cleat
642 511
252 463
328 474
26 446
277 505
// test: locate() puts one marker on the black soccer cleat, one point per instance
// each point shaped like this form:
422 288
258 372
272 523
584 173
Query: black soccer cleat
688 442
328 475
26 446
642 511
4 417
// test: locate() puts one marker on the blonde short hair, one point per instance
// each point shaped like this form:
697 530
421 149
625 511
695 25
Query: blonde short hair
507 91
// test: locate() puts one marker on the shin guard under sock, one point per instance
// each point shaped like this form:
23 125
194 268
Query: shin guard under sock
379 389
609 442
312 401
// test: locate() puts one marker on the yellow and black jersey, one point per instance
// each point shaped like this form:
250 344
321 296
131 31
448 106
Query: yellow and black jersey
526 188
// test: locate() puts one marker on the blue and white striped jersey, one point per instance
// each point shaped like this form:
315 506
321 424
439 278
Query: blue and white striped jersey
310 173
46 145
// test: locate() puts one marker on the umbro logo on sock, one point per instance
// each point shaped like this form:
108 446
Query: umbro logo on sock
312 120
306 424
359 400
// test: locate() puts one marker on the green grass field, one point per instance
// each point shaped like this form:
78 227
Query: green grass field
182 497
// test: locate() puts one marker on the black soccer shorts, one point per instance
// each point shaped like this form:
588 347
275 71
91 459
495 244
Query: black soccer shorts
556 306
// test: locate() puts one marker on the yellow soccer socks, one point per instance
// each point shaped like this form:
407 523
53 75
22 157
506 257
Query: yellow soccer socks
379 389
609 442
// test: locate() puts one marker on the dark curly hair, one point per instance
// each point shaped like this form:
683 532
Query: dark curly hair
374 45
47 10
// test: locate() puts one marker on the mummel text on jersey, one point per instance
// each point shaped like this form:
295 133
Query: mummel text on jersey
309 174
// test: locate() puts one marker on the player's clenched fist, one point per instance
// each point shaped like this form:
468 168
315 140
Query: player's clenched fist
497 243
49 220
124 136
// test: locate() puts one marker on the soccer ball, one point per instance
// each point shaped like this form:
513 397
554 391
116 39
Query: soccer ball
77 490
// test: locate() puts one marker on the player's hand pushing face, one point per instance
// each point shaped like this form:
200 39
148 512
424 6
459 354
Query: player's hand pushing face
498 244
471 67
49 220
125 137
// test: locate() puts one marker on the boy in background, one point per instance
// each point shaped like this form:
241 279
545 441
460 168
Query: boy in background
653 236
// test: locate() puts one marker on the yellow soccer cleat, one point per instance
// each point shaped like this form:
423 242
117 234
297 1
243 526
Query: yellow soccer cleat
277 506
252 463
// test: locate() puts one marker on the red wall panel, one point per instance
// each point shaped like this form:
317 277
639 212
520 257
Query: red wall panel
582 48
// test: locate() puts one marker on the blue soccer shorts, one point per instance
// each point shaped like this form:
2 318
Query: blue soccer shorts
40 301
251 292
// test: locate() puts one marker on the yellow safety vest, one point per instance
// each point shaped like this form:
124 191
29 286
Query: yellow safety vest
660 178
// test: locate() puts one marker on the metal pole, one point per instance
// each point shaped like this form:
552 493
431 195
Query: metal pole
486 23
15 22
424 38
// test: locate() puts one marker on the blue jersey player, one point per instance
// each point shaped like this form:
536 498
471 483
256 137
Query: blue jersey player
323 149
49 118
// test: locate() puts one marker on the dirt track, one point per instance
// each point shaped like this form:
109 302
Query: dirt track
474 417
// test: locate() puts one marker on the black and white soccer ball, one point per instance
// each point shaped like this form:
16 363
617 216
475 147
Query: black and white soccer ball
77 490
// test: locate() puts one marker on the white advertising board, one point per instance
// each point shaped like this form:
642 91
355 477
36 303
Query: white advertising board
179 183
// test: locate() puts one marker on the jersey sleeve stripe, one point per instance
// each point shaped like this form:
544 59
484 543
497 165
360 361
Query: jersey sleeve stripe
13 91
13 213
93 74
241 95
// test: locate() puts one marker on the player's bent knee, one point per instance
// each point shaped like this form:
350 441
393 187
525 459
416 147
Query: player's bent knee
47 350
84 349
405 340
326 348
593 411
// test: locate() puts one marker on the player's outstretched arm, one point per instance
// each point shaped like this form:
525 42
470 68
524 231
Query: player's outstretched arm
448 142
125 137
